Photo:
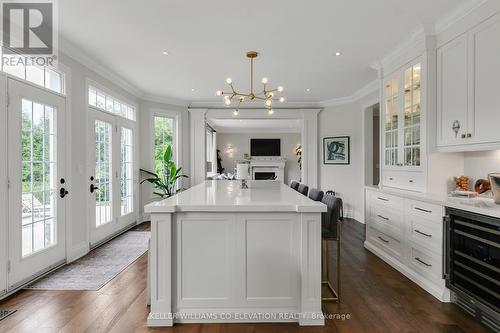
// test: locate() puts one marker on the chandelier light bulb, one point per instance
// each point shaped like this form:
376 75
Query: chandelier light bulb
280 88
271 94
235 112
218 92
269 102
265 80
271 111
229 80
227 101
282 99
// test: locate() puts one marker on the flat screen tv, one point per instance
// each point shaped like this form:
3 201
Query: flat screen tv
265 147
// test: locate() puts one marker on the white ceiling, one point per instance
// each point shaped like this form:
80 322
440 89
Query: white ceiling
256 125
207 41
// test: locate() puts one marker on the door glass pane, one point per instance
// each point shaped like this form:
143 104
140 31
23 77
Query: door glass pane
126 173
38 176
103 172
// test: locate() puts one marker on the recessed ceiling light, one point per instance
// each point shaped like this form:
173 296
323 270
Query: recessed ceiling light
338 54
193 90
165 53
308 90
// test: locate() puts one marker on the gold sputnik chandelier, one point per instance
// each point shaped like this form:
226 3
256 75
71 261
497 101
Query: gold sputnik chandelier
268 96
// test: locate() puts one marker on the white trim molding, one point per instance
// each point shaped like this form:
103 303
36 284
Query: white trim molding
71 50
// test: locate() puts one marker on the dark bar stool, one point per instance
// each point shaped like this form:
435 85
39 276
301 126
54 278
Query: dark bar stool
330 231
303 189
294 185
315 194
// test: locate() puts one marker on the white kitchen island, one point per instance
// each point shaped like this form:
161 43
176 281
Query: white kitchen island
224 254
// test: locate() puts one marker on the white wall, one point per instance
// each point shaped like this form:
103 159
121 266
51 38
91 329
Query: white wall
478 164
346 180
148 110
241 144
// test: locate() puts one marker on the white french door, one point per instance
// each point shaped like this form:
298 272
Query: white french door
111 180
38 190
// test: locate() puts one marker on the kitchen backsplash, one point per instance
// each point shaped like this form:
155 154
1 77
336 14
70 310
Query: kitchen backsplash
478 164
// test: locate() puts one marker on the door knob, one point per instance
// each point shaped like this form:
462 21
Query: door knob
63 192
463 136
469 135
93 188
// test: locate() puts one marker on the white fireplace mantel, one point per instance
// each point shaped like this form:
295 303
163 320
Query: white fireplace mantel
268 164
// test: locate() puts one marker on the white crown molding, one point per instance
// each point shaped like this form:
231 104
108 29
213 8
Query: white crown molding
251 105
398 56
357 95
164 100
457 14
83 58
228 130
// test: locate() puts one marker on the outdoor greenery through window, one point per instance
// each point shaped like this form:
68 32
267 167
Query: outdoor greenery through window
164 130
105 102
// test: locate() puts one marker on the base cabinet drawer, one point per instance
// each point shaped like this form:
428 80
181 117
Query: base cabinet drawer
385 242
427 234
406 180
425 263
385 200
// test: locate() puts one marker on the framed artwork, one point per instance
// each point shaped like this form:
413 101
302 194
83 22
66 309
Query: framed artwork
336 150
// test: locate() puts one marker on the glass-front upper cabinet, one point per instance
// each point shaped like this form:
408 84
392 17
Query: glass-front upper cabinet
402 114
391 121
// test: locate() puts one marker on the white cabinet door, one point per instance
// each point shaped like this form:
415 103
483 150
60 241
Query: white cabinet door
452 92
485 114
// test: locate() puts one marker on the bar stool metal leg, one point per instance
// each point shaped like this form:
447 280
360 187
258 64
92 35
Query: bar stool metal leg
335 298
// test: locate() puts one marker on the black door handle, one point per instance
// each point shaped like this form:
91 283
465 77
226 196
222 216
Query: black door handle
63 192
93 188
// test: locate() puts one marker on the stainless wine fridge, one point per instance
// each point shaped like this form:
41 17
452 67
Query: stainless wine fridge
472 264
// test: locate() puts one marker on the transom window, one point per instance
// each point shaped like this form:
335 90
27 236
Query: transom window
105 102
45 77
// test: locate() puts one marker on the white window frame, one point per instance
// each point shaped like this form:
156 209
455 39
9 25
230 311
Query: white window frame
116 96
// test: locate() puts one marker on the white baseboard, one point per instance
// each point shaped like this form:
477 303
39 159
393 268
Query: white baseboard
441 293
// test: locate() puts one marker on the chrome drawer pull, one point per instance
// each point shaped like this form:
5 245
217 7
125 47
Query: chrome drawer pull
383 199
422 262
383 240
383 217
422 233
423 210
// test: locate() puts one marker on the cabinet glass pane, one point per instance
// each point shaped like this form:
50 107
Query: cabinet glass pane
391 122
412 108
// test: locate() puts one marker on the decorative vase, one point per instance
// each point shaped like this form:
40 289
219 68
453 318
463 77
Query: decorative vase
495 186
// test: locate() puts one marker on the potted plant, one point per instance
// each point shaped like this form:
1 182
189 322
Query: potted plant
165 182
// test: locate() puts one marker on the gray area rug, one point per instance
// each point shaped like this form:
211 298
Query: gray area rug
99 266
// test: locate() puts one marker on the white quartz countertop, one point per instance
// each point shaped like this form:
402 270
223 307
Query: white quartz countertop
479 205
226 196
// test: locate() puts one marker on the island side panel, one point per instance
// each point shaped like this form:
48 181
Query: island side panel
161 270
310 269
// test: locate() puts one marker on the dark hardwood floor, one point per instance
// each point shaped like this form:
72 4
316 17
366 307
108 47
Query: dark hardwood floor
376 297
